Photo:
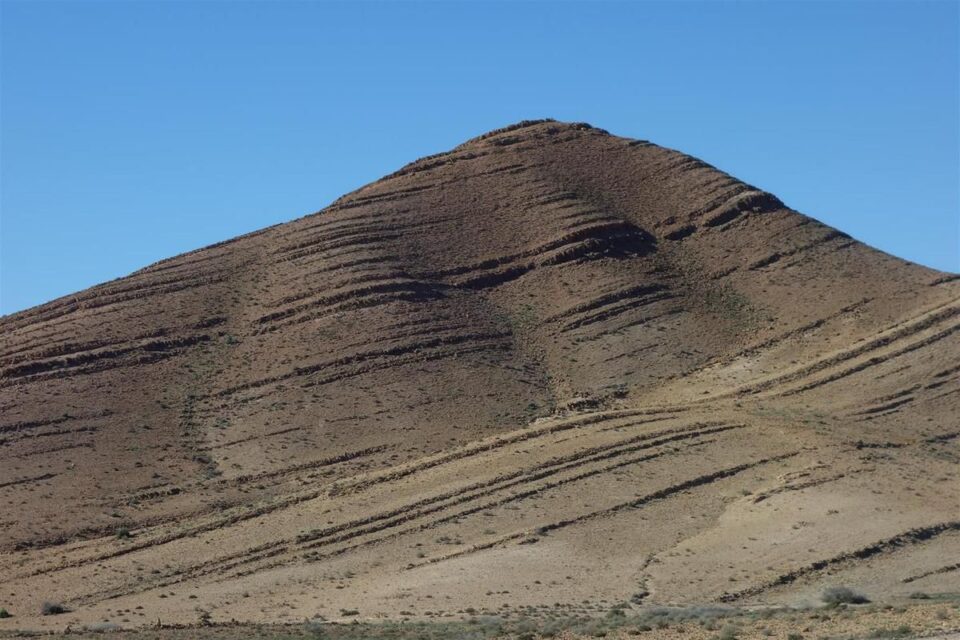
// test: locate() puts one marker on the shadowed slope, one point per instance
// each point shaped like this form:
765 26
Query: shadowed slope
335 388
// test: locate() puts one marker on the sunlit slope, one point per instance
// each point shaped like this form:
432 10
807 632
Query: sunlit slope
549 352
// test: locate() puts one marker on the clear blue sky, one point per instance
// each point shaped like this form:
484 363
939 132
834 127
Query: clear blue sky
133 131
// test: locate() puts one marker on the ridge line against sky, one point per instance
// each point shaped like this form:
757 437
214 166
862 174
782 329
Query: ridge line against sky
132 132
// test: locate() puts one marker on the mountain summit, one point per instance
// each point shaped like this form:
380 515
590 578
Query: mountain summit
550 352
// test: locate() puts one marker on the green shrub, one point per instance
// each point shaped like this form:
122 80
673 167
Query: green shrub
5 614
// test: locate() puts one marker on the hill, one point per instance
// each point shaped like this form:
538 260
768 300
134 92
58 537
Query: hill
550 367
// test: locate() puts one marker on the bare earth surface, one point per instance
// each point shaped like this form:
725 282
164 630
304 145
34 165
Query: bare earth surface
551 367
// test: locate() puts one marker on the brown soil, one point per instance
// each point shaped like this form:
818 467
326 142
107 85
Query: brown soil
549 366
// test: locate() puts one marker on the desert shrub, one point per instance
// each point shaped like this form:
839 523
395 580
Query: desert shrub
842 595
903 631
919 595
729 632
5 614
794 636
123 533
52 609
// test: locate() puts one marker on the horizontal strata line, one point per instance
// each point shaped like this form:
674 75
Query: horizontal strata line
758 202
78 445
780 255
45 476
615 244
380 198
569 237
513 480
724 195
384 260
663 493
347 228
341 237
835 247
797 486
354 304
496 443
106 290
433 162
416 358
677 163
604 300
34 424
494 503
884 407
107 300
384 272
899 541
375 250
802 329
412 330
275 548
260 436
614 309
874 361
88 369
516 478
349 235
437 504
633 323
83 358
46 332
361 241
328 220
94 366
376 286
609 511
281 546
69 348
933 572
540 530
364 356
945 279
898 331
29 435
353 199
188 532
304 466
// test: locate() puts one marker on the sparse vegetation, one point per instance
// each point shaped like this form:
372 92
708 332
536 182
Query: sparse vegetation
842 595
903 631
559 621
5 614
52 609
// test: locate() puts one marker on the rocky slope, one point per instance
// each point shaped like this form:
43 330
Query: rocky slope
551 363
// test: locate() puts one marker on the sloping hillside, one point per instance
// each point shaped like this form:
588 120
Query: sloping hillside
551 365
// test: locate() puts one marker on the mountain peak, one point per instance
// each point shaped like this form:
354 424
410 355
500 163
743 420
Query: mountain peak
546 329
